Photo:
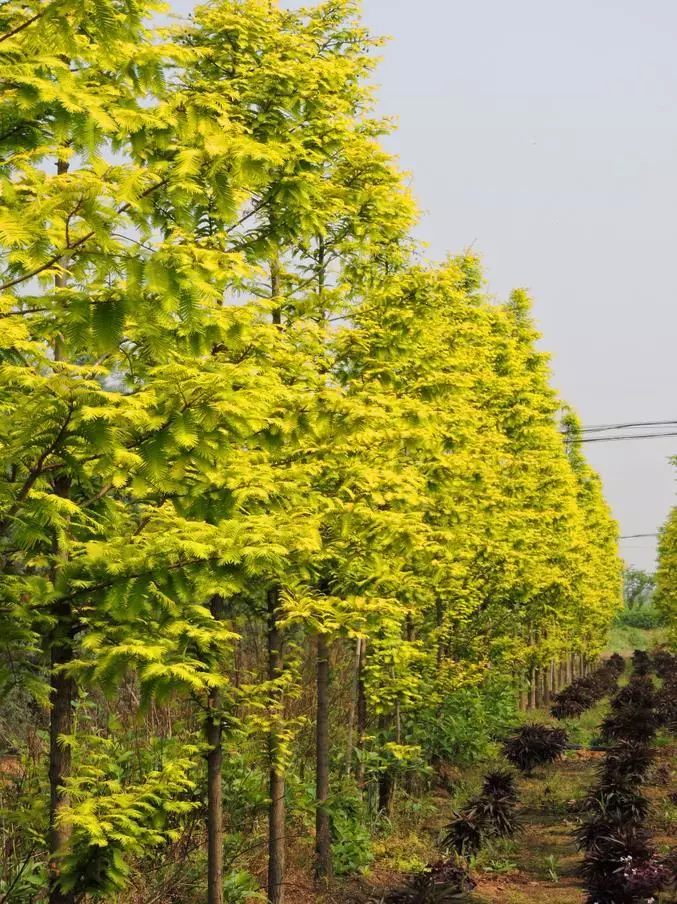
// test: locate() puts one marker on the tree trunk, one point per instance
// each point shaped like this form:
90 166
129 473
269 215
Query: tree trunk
439 617
386 781
62 694
532 690
524 692
276 813
353 707
60 763
523 677
539 688
361 713
214 731
323 864
386 792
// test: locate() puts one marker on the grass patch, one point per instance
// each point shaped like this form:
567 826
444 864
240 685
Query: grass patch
624 639
585 730
498 855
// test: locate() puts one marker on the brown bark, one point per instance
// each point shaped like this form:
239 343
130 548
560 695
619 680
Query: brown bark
439 617
214 731
353 707
276 812
276 290
524 693
547 672
323 864
386 781
361 713
63 694
539 688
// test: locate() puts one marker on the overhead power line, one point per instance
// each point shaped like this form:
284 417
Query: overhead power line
637 536
618 434
603 428
618 439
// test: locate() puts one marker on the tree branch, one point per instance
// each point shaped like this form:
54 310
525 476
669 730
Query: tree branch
36 471
75 245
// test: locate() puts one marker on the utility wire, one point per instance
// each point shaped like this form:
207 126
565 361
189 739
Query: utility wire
618 439
603 428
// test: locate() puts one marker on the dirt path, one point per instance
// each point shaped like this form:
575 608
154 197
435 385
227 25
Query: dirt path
541 866
545 858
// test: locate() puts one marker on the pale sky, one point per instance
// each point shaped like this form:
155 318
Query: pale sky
544 135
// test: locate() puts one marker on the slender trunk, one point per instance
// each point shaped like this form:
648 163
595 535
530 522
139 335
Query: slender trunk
523 690
323 864
276 813
214 731
439 617
386 781
276 291
353 707
386 792
538 689
63 694
361 713
538 673
532 689
62 697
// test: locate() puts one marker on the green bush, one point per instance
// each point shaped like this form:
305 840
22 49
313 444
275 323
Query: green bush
462 729
240 886
351 841
644 619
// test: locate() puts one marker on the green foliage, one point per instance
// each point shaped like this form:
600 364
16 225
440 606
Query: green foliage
638 587
240 887
467 723
646 619
112 819
351 839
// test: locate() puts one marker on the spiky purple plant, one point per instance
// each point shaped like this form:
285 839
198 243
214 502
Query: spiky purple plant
534 745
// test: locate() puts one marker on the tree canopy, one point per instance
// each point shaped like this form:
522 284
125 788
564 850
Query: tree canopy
264 464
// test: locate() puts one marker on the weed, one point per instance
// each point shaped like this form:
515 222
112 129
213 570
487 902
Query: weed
551 868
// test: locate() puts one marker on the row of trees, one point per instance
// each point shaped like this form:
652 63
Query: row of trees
271 483
665 595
